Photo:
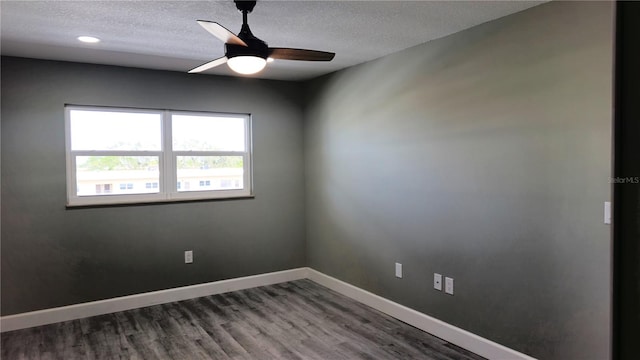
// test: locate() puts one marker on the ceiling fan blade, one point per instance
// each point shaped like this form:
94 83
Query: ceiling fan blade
209 65
300 54
221 32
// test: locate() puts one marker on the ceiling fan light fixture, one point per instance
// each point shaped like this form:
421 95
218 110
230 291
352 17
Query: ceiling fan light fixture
247 65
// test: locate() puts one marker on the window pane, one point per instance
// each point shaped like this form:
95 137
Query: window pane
202 173
117 175
207 133
104 130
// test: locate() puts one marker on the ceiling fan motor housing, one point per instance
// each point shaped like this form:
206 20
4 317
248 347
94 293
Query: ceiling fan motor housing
239 50
255 46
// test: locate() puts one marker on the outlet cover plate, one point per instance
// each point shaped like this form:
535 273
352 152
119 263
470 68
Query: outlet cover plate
437 281
188 257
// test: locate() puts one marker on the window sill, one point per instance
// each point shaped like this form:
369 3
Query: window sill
156 202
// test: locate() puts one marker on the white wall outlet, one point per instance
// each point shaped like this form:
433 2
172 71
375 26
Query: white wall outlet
188 256
437 281
448 285
399 270
607 212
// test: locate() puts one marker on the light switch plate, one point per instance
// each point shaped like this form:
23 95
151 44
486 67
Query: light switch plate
448 285
437 281
399 270
188 256
607 212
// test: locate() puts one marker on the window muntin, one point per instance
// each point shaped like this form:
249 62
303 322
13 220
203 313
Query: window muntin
136 155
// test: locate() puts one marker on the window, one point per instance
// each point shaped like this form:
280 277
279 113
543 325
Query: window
154 155
153 185
103 188
229 183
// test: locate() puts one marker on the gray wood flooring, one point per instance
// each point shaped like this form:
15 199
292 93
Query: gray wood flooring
294 320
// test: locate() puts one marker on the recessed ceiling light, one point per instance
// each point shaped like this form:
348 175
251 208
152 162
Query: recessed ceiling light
88 39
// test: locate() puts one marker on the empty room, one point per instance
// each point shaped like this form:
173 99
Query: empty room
319 180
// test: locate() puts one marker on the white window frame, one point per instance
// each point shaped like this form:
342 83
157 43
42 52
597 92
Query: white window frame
168 175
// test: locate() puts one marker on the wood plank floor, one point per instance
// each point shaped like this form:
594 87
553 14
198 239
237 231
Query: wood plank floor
294 320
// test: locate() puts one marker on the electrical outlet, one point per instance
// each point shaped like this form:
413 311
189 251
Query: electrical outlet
188 256
399 270
448 285
437 281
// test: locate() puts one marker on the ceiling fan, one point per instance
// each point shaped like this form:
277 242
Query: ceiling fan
245 53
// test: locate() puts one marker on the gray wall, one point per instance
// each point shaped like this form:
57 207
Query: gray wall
53 257
484 156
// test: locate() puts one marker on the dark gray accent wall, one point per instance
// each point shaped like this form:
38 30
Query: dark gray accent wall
484 156
52 256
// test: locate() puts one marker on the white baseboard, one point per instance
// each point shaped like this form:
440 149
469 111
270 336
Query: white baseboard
93 308
441 329
450 333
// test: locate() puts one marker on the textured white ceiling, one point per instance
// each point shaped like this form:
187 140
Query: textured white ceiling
165 35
